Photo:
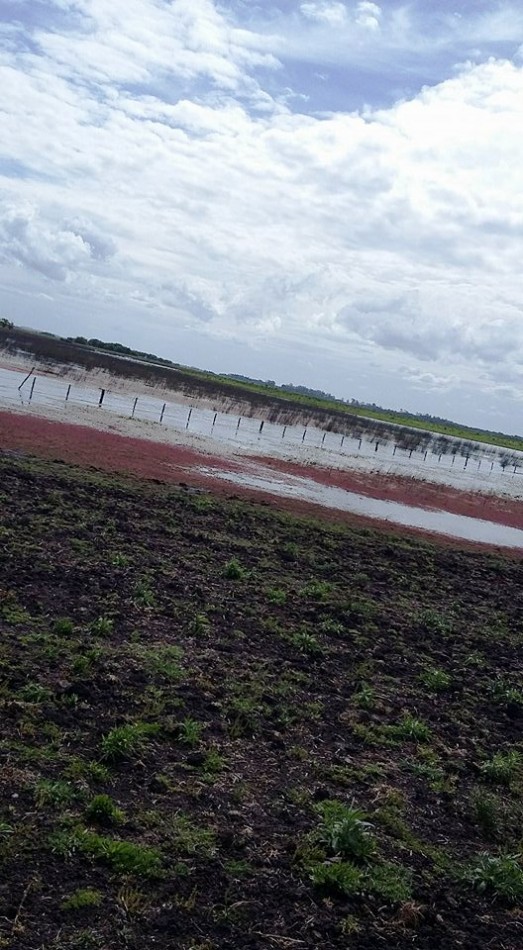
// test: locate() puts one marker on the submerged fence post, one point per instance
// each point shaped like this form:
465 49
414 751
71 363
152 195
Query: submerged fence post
394 452
323 440
163 411
102 394
304 434
376 447
262 423
284 431
26 378
134 407
188 418
239 422
342 441
359 445
214 421
68 392
32 389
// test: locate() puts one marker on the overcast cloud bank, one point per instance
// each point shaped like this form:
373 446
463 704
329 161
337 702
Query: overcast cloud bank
182 177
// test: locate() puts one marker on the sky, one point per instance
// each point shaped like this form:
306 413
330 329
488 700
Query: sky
312 191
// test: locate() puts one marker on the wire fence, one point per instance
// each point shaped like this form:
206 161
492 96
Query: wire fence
59 394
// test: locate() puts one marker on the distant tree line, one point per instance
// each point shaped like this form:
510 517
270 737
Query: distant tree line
120 349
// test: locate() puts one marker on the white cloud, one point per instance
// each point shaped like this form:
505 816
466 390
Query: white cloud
368 15
201 200
325 11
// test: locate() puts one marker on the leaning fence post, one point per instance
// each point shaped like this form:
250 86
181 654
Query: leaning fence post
68 392
102 394
214 421
134 407
284 431
32 389
163 411
188 418
304 434
26 378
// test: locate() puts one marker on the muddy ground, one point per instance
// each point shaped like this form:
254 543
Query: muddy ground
179 463
224 726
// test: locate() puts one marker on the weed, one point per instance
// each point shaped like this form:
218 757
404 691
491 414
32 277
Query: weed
337 877
200 626
389 882
276 595
434 622
190 732
132 901
317 590
55 793
506 695
365 697
306 643
63 627
143 594
124 857
234 571
485 812
502 767
124 741
83 899
103 811
35 693
102 627
435 679
501 875
345 831
188 838
412 728
238 869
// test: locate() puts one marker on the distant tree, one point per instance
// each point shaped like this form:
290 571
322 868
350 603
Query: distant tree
6 324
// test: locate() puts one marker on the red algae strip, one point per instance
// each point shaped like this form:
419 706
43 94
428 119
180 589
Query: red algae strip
111 452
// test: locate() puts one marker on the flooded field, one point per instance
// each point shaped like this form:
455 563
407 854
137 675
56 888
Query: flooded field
161 416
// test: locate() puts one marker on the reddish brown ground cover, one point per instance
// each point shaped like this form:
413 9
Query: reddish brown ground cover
153 460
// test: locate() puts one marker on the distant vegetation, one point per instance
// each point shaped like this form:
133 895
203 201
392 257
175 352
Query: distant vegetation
237 387
317 398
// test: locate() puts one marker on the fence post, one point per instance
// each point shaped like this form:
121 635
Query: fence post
262 423
26 378
188 418
304 434
102 394
214 421
32 389
323 440
134 407
68 392
163 411
284 431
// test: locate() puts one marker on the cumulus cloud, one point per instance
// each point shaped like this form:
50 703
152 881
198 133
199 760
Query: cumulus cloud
159 170
55 251
333 13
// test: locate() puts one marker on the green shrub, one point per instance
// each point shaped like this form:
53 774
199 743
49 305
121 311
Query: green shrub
103 811
124 741
234 571
345 831
500 875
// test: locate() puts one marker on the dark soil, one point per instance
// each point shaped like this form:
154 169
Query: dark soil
263 666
